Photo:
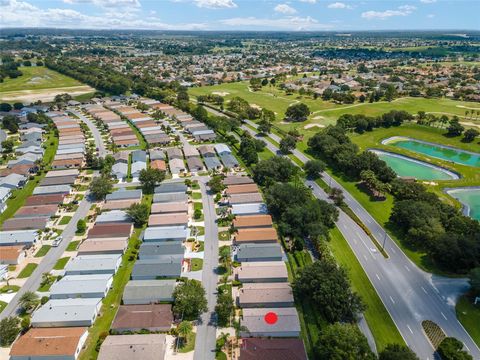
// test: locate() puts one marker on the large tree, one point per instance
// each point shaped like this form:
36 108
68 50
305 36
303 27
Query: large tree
276 168
139 213
397 352
327 286
297 112
9 329
287 144
149 178
28 301
224 308
341 342
452 349
189 300
314 168
100 187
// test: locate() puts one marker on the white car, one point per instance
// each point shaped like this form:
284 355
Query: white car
57 241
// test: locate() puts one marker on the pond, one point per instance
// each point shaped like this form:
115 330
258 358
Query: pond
470 198
405 166
438 151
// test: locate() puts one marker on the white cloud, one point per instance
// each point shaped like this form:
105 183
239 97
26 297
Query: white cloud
403 10
309 1
430 16
287 23
338 5
285 9
428 1
23 14
106 3
216 4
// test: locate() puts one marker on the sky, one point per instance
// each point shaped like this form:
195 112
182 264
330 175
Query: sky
258 15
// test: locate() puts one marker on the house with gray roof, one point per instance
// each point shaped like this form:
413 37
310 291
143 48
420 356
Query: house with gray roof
222 149
113 216
259 252
136 167
18 237
120 170
67 313
173 187
13 181
5 193
170 197
157 155
174 153
161 250
212 163
57 189
195 164
81 286
249 209
156 269
25 159
254 325
166 233
229 161
123 194
140 292
93 264
139 155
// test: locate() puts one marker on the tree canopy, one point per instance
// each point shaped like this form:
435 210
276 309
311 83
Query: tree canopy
189 300
149 178
297 112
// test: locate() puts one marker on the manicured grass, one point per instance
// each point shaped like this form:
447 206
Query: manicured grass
73 245
114 296
265 154
43 251
60 264
3 305
201 230
378 319
224 235
19 196
27 271
196 196
37 77
189 346
12 288
197 264
46 286
469 316
65 220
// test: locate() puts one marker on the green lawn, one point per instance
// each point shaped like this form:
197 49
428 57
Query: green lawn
224 235
47 286
196 195
27 271
73 245
60 264
469 315
114 296
19 196
378 319
12 288
37 77
65 220
189 346
197 264
43 251
3 305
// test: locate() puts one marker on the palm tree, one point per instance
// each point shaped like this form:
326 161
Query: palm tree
28 301
184 329
224 254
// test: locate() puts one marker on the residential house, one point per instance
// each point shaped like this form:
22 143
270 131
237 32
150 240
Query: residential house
12 255
254 324
124 194
130 347
139 292
18 237
81 286
259 252
248 198
264 349
262 272
166 233
93 264
256 235
258 295
152 317
249 209
170 197
152 269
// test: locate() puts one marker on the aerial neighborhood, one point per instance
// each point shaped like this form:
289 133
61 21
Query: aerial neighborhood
266 186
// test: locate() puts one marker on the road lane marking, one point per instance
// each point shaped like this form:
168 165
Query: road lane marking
406 267
393 250
365 257
443 315
355 241
391 299
378 277
425 291
409 329
466 347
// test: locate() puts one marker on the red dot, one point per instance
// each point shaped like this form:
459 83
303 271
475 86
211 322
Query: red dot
271 318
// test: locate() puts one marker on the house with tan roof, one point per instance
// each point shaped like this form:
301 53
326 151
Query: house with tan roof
241 189
267 349
129 347
262 272
256 295
49 343
252 221
256 235
12 255
153 317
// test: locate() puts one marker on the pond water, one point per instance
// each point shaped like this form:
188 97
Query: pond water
436 150
470 198
405 166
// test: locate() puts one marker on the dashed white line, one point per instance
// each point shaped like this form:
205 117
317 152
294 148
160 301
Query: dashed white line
409 329
355 241
425 291
466 347
406 267
369 221
443 315
391 299
365 257
378 277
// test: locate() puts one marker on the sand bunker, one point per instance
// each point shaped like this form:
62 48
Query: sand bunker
309 126
220 93
318 117
45 95
255 106
433 183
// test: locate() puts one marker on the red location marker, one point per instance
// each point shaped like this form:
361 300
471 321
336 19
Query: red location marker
271 318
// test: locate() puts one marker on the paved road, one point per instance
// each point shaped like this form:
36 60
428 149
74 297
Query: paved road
409 294
49 260
206 330
102 151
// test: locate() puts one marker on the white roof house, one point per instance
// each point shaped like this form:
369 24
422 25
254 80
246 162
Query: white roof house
81 286
222 148
249 209
93 264
67 313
